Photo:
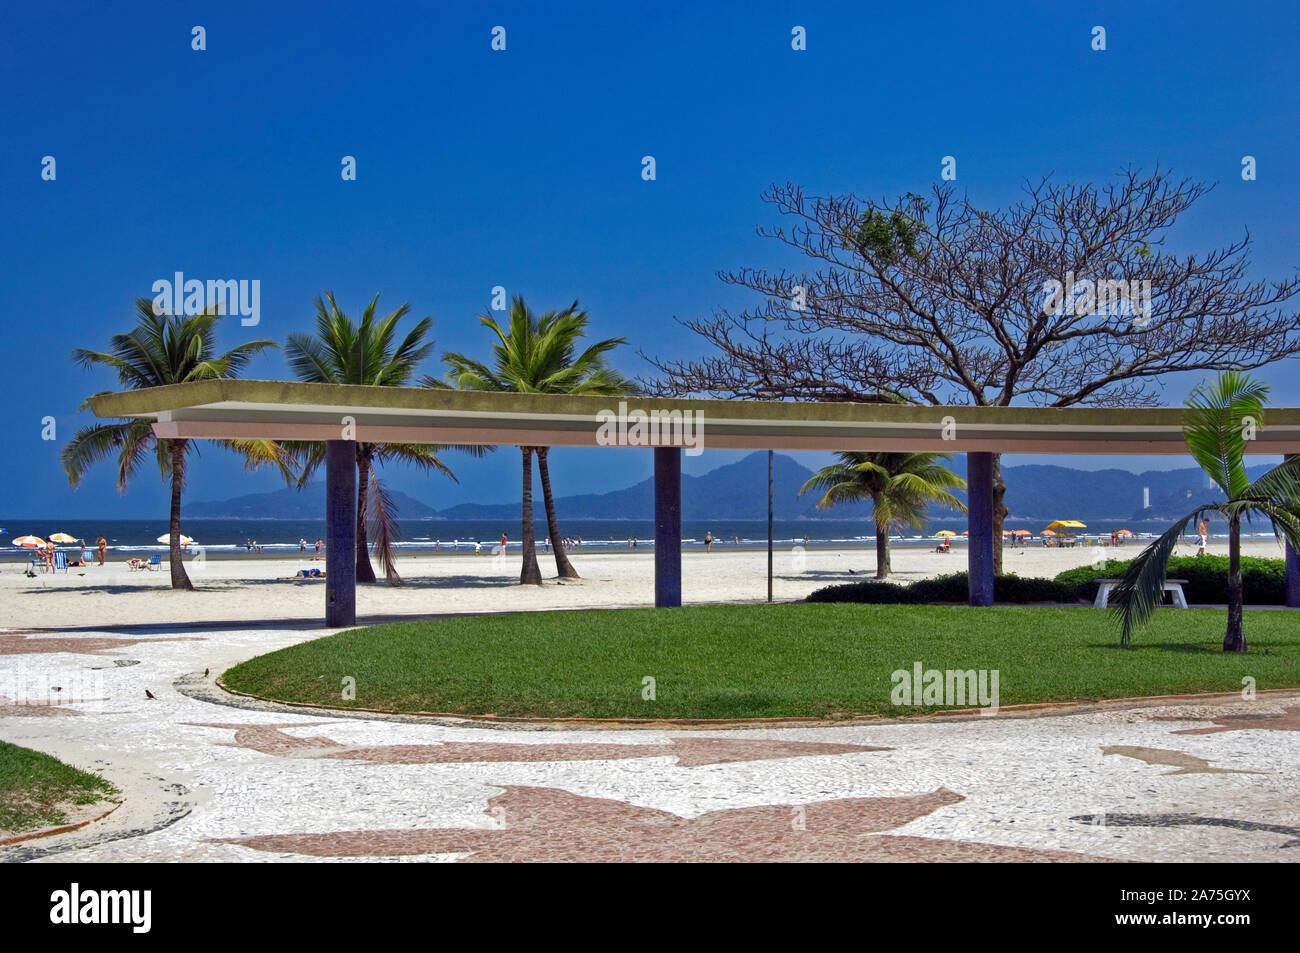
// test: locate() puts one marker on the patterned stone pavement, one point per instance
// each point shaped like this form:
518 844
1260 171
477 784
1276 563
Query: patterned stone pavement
210 777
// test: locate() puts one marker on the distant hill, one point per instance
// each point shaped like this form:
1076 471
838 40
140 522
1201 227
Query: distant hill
290 504
734 491
739 491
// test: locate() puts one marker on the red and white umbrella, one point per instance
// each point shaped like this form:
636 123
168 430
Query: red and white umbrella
31 542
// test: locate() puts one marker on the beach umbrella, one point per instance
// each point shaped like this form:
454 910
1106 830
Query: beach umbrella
167 538
63 538
945 532
1021 532
31 542
1048 532
1066 524
1124 532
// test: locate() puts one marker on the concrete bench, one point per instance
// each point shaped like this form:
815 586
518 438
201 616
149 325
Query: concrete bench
1172 586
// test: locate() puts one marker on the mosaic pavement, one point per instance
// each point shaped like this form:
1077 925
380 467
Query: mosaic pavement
206 777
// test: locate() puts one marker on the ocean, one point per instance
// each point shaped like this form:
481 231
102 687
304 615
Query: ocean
228 538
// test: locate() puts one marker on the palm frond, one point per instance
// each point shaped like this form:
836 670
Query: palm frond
381 520
1143 584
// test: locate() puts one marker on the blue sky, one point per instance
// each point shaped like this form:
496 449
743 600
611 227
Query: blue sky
478 168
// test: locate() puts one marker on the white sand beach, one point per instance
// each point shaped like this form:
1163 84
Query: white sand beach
258 589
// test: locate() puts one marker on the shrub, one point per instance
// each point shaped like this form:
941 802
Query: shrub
870 592
949 588
1263 580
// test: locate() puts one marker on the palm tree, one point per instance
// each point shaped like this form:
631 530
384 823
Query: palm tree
164 349
342 352
1220 418
538 355
899 485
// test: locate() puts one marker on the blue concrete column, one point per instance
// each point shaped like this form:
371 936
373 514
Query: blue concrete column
668 527
1292 570
340 533
979 502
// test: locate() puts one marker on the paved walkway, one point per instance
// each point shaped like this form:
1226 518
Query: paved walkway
207 779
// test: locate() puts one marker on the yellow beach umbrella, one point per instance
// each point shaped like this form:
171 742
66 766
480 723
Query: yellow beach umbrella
1066 524
63 538
945 532
31 542
167 538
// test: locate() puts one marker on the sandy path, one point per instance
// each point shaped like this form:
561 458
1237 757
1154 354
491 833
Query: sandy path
257 589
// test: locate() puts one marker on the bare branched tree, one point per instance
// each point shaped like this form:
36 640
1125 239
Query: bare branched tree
942 302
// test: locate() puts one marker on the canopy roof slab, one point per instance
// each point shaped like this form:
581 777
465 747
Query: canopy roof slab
280 410
342 414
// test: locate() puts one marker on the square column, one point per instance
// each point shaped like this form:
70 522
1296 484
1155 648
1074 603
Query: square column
340 533
1292 570
979 503
668 527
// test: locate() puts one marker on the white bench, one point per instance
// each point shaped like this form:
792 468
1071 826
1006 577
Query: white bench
1172 586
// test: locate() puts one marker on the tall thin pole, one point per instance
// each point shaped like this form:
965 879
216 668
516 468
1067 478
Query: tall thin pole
769 526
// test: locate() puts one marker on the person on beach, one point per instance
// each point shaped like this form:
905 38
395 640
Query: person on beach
82 557
504 542
1203 532
302 545
320 544
708 541
101 548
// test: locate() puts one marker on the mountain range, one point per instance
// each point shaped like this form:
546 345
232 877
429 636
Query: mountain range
739 491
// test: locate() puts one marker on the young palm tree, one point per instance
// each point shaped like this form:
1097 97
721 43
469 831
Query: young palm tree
899 486
539 355
342 352
1219 419
164 349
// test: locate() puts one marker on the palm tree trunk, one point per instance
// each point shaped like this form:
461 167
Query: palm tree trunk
882 551
180 579
1235 639
365 571
999 512
562 565
531 573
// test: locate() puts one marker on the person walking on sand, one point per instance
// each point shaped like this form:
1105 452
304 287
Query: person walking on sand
82 557
504 542
1203 532
708 541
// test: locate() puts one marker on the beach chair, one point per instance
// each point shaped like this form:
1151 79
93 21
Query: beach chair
155 562
61 560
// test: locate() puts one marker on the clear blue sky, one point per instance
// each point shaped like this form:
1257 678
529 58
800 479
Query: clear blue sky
522 168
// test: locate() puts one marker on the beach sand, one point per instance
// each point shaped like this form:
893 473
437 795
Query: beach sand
259 589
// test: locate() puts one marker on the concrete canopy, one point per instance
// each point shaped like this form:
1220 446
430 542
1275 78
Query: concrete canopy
280 410
341 415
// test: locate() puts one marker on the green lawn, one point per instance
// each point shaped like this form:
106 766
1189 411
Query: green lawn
35 788
762 661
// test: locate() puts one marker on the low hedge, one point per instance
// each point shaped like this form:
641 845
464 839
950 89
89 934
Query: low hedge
950 588
1263 580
